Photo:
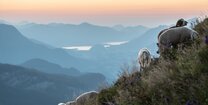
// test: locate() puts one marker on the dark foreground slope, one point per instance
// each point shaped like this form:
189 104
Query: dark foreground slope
181 80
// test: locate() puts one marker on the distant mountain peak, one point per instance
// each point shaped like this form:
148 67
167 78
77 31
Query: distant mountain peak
8 30
4 22
118 27
85 24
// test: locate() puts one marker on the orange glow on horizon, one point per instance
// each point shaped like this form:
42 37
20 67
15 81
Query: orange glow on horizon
93 8
80 5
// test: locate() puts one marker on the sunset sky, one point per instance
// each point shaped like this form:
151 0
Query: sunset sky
102 12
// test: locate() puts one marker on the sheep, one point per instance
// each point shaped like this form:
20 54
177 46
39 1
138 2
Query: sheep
144 58
85 97
71 103
62 104
172 37
180 23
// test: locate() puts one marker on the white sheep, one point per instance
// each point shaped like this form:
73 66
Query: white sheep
61 104
179 23
83 98
71 103
144 58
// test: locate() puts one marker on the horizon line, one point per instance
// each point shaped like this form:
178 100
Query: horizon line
80 23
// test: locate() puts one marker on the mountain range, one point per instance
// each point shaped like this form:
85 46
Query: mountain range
108 61
24 86
115 57
17 49
61 35
33 65
48 67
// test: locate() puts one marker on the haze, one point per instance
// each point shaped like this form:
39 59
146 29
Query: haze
102 12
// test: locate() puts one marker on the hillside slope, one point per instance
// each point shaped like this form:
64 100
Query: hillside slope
181 80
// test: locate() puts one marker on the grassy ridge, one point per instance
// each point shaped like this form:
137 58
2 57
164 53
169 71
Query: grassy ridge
181 80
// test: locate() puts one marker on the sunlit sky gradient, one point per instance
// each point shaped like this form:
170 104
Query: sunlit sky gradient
102 12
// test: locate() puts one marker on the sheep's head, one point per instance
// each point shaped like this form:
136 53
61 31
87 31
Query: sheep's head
181 22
